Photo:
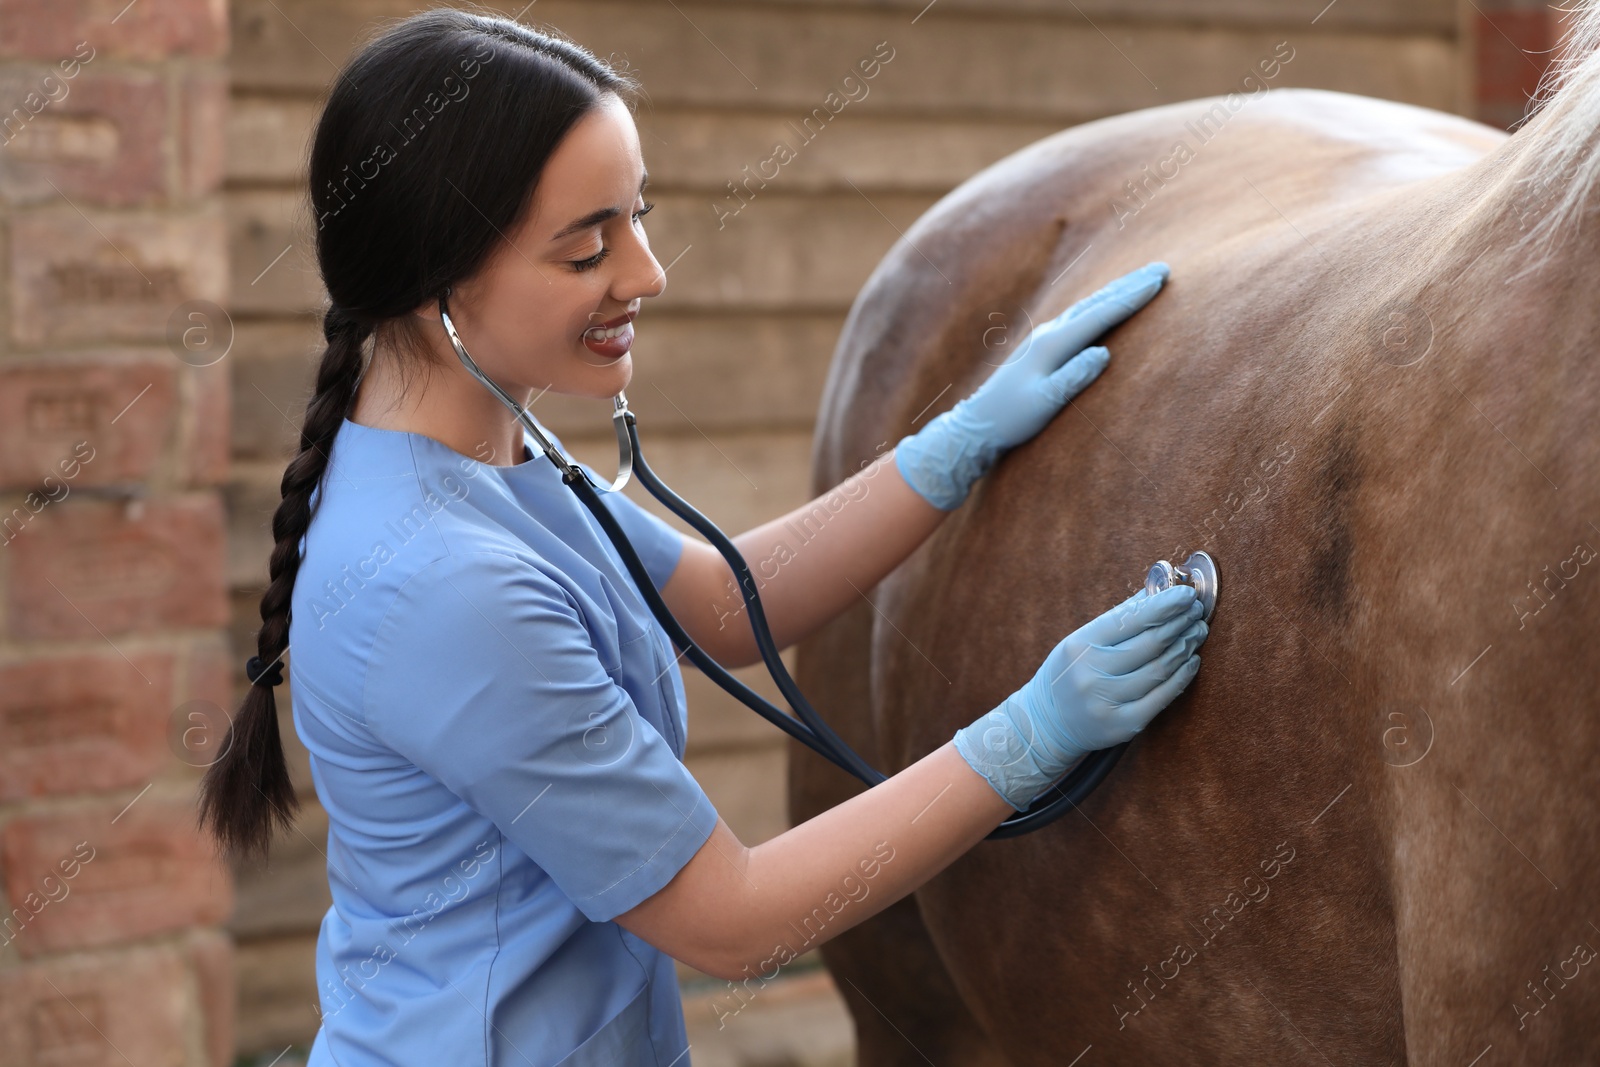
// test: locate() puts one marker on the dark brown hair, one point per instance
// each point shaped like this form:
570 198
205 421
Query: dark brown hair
428 151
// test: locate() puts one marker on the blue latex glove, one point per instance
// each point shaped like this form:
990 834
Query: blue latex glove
1097 688
943 459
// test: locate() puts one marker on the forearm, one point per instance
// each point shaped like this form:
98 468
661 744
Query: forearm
812 563
819 879
734 911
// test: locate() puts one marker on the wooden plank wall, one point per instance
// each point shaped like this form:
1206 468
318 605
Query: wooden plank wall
730 360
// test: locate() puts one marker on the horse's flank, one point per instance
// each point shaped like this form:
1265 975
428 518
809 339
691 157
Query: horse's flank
1384 435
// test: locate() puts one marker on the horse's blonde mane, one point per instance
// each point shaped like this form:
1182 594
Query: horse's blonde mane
1555 176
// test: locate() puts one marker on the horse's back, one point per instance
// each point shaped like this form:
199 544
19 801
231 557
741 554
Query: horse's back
1044 226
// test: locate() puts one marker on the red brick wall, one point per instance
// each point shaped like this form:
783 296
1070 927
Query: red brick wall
114 666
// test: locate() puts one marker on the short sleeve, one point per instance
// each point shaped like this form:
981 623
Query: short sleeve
483 673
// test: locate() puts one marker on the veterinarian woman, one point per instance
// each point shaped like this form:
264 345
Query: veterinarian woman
496 724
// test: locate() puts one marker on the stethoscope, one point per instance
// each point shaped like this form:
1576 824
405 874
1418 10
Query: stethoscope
810 729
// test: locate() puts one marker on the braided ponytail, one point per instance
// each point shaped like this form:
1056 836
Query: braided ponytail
246 793
396 226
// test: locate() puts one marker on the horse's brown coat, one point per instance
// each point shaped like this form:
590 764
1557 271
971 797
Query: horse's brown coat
1344 396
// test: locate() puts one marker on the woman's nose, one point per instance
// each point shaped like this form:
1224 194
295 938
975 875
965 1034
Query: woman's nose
643 275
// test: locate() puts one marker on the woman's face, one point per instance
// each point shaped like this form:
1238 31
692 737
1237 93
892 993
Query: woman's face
524 317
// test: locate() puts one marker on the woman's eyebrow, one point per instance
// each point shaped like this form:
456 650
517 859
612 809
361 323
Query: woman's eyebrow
594 218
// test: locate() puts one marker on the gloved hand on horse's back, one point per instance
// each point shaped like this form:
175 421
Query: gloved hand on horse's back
942 460
1098 687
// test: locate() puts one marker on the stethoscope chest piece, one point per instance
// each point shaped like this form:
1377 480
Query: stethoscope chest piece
1199 570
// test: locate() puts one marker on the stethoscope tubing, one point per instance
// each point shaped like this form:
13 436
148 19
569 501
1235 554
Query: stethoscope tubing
805 725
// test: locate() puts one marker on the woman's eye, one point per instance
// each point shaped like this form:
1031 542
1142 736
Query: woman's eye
593 261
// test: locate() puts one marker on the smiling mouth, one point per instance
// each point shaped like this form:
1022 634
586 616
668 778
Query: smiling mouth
609 343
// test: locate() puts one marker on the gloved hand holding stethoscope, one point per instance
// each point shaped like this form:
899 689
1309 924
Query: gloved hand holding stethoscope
1102 683
1099 686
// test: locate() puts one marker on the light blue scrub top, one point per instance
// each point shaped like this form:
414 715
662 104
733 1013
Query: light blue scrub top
496 726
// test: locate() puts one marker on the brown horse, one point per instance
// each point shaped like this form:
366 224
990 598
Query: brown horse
1366 833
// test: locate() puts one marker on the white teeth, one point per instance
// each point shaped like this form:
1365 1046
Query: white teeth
599 334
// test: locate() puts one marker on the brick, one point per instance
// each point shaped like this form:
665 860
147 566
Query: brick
202 128
204 456
93 569
150 872
83 723
56 419
114 28
212 671
104 1010
204 708
211 954
110 1009
116 277
101 142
